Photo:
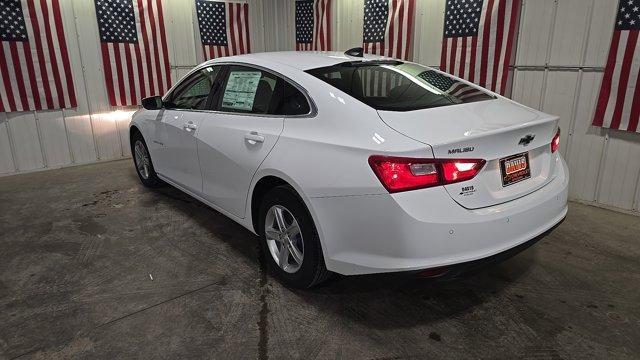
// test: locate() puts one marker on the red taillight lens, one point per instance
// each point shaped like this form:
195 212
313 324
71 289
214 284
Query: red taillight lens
460 170
402 174
555 143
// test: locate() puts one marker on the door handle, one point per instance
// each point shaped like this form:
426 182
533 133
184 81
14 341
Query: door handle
254 138
190 126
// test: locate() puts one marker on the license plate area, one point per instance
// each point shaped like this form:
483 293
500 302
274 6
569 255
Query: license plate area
515 168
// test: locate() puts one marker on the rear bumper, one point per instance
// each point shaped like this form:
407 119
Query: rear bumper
471 267
426 228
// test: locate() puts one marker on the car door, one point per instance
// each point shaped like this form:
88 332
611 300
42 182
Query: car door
233 142
176 144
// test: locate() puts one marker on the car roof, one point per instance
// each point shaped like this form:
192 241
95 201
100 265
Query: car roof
301 60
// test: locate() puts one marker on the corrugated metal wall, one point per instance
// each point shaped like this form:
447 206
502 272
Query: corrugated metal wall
562 46
562 50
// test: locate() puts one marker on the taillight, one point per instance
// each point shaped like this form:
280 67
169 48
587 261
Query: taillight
555 143
402 174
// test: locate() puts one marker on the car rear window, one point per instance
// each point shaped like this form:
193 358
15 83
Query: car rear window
397 86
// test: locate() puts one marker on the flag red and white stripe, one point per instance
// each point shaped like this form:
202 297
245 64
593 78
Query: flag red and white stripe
463 91
238 42
618 104
135 70
35 71
484 56
398 33
377 81
321 35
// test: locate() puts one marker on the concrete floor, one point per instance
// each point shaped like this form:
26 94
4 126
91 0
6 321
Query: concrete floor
93 265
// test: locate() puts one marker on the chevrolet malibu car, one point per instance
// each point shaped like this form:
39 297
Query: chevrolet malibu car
355 164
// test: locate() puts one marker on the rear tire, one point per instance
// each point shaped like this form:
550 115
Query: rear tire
143 163
303 265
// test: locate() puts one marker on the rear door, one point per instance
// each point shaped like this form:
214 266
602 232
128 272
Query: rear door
176 155
235 139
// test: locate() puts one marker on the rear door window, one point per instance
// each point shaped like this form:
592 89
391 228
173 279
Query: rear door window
255 91
248 90
397 86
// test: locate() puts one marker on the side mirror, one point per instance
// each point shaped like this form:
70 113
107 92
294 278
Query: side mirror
152 103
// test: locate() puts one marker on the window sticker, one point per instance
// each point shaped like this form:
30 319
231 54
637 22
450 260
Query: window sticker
241 90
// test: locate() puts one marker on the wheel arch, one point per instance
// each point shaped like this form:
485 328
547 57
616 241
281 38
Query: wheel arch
267 180
133 130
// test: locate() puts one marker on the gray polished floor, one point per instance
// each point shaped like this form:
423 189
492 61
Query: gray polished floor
93 265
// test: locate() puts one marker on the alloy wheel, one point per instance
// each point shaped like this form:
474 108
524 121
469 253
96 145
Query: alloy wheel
141 157
284 238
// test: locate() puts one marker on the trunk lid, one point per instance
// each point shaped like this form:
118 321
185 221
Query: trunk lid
491 130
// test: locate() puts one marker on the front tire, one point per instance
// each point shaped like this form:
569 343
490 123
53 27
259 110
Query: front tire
289 239
143 163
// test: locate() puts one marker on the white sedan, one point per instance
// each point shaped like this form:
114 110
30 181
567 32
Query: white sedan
355 164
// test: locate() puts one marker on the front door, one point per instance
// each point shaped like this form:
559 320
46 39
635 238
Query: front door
179 154
176 144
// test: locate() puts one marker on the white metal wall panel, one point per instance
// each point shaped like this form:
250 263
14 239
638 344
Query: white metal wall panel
179 26
586 145
572 19
636 205
106 134
349 20
78 120
619 175
604 164
26 142
527 88
428 33
279 25
600 32
285 24
558 100
80 136
268 38
6 157
104 127
536 21
257 28
53 136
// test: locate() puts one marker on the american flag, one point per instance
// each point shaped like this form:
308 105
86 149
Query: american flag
377 81
35 71
224 28
449 85
619 101
479 40
313 25
134 49
388 27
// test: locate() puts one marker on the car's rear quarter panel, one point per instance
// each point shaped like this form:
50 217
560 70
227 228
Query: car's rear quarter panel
328 153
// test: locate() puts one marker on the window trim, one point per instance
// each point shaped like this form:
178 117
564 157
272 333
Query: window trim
313 110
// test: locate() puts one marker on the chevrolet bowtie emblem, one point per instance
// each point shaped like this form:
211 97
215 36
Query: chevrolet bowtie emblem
526 140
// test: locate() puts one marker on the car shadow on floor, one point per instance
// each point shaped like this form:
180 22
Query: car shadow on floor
378 301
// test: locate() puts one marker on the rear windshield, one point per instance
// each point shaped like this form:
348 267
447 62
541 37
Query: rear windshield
397 86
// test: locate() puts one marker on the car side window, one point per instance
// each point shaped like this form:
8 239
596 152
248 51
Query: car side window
293 102
249 90
193 92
